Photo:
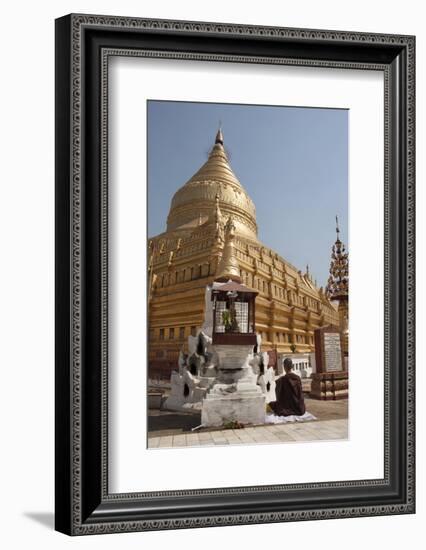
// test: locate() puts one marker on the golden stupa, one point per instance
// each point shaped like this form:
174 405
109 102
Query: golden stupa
209 208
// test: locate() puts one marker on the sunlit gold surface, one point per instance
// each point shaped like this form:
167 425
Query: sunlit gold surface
228 268
197 197
193 252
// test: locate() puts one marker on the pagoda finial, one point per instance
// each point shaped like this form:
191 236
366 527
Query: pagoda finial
219 135
337 226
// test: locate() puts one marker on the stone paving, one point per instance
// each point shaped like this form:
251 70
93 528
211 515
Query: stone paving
174 429
314 430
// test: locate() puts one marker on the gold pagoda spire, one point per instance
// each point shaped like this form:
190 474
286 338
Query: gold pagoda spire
198 195
228 265
217 166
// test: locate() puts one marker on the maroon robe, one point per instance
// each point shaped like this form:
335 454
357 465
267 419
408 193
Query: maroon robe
289 396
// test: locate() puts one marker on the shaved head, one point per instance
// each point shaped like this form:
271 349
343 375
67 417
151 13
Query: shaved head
288 364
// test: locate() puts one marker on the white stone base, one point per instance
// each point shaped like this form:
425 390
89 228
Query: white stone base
196 390
219 410
232 356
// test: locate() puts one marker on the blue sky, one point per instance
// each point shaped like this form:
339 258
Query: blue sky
293 162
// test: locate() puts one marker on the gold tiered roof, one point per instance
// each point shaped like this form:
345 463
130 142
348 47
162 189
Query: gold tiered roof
197 199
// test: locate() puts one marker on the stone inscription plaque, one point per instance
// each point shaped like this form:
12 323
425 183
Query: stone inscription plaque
332 352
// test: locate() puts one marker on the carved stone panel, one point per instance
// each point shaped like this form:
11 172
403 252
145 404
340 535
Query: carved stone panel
328 350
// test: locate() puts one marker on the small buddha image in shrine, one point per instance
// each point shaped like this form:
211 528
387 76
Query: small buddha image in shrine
234 314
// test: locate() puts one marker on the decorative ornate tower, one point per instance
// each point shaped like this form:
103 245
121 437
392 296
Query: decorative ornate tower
338 284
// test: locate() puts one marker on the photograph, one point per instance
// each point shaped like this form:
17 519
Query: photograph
248 274
212 242
220 191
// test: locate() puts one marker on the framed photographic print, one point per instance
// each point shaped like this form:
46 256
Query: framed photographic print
234 274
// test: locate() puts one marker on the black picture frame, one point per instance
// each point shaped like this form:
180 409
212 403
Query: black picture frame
83 504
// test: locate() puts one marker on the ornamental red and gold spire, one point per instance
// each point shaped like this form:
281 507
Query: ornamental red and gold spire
338 285
338 281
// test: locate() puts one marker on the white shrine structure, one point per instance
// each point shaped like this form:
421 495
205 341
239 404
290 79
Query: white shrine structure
225 373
